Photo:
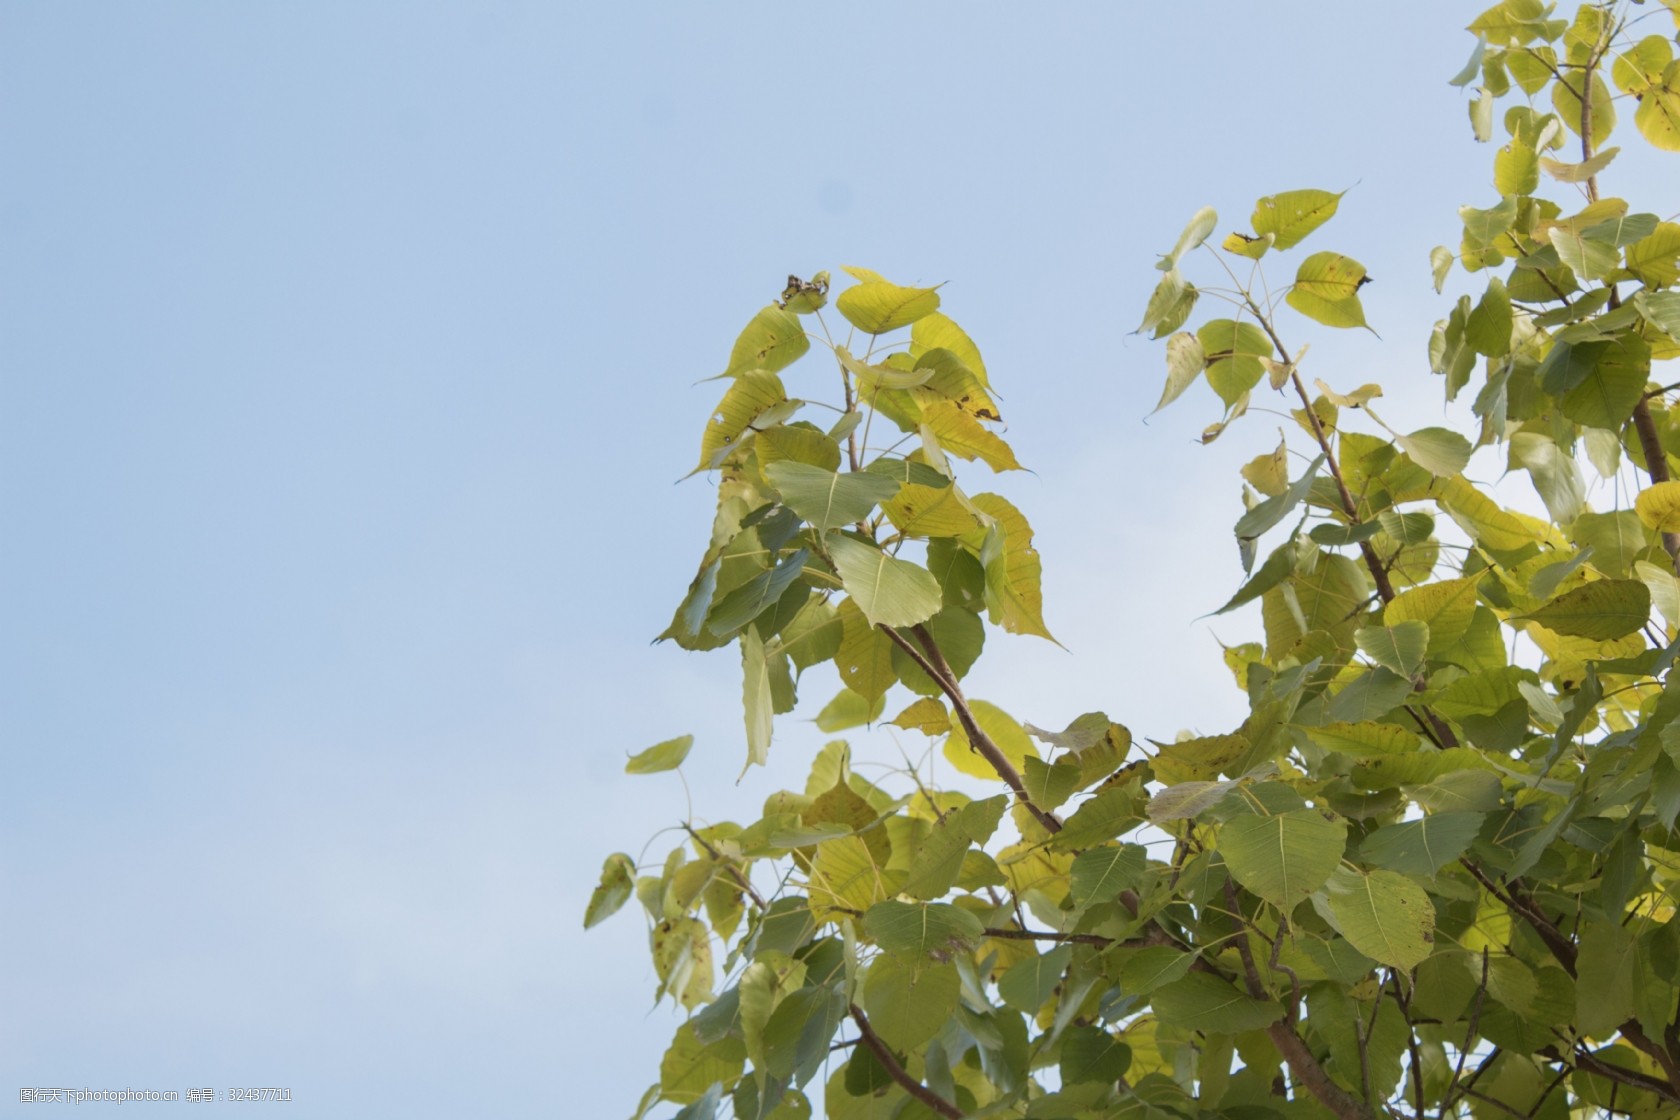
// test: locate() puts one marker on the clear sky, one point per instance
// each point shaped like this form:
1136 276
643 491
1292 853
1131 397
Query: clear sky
348 358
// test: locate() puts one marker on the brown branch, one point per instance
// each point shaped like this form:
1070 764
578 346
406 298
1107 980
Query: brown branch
1634 1033
933 663
734 872
1051 935
896 1070
1633 1079
1302 1064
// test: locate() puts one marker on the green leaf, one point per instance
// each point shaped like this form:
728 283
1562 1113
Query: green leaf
1200 1002
889 591
1092 1054
1606 397
1383 914
1283 858
1399 647
1422 847
661 756
757 595
1554 472
876 306
1029 983
925 929
936 861
849 709
909 1002
1101 874
774 340
813 636
1251 525
1601 610
1608 967
1440 451
618 882
1147 969
1292 215
1488 329
827 500
797 1036
1233 351
1440 263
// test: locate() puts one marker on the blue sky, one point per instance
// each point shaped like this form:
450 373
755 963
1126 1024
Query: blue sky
348 357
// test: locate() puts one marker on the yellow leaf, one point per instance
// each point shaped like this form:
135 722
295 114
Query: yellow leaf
1659 507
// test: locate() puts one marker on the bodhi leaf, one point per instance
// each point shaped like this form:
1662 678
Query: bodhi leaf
1207 1003
877 306
1383 914
1012 567
618 881
1283 858
1422 847
1233 351
1201 224
1658 506
1440 451
661 756
1399 647
751 397
1101 874
926 929
774 340
1290 216
1601 610
1009 736
827 500
1325 287
756 699
889 591
1185 359
908 1003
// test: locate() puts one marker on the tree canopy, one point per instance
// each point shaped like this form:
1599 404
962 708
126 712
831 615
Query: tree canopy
1436 867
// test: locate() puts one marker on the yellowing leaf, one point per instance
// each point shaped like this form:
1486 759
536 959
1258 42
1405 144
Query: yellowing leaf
877 306
773 340
1659 507
661 756
962 435
1601 610
1290 216
751 396
1658 115
1002 729
1325 287
1011 563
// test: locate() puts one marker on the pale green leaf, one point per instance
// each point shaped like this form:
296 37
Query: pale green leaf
618 881
909 1002
1399 647
661 756
922 929
1282 858
889 591
755 697
1202 1002
1384 915
774 340
826 500
1100 874
1421 847
1440 451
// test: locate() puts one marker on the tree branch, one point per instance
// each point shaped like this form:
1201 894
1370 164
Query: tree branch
1302 1064
896 1070
933 663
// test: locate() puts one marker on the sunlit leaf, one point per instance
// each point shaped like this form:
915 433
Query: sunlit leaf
661 756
